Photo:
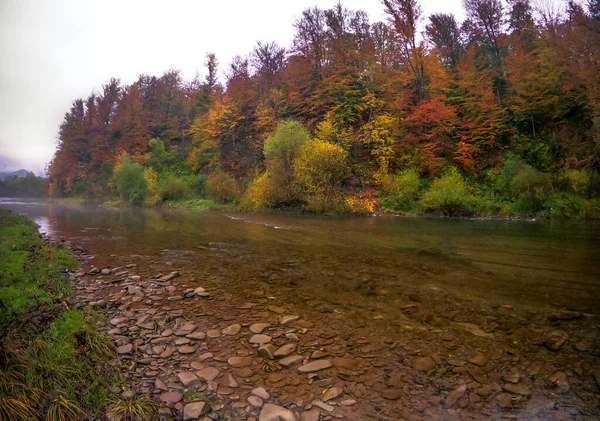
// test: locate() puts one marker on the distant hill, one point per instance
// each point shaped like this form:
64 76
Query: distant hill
19 173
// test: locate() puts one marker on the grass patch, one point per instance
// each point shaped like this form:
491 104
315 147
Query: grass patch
55 363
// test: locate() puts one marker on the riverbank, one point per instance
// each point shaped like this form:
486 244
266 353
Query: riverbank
55 362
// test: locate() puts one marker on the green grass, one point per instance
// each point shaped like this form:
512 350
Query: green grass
200 204
55 364
31 272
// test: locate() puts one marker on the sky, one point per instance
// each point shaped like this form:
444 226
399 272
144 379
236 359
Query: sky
54 51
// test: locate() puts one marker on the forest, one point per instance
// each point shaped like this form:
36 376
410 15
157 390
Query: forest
496 115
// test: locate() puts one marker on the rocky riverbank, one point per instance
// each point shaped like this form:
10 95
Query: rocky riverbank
216 350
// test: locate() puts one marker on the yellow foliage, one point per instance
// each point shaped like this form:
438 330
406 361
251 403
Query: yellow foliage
361 203
263 192
378 135
151 177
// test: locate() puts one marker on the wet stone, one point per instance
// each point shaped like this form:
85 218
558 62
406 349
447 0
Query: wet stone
315 366
392 394
267 351
186 378
125 349
261 393
255 401
479 360
260 339
208 373
285 350
213 333
171 397
232 330
239 362
332 393
258 327
291 361
193 411
286 320
272 412
196 336
186 349
425 364
517 389
276 309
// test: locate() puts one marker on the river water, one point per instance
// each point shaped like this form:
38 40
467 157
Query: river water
388 293
543 263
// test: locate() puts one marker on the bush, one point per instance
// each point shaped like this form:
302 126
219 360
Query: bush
402 189
173 188
264 192
197 183
320 168
222 187
130 181
362 203
532 186
449 194
572 207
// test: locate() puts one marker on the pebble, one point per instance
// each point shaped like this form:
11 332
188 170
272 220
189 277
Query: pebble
260 339
125 349
255 401
286 320
392 394
186 378
196 336
291 361
213 333
261 393
315 366
276 310
258 327
208 373
425 364
285 350
232 330
272 412
105 271
193 411
348 402
171 397
324 406
479 360
310 415
455 395
517 389
186 349
332 393
239 362
267 351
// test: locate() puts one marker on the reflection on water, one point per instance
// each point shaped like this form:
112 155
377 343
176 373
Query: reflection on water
513 261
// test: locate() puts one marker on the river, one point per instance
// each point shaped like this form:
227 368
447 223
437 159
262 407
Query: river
389 276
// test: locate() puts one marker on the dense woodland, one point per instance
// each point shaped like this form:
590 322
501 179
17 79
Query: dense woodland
498 114
29 185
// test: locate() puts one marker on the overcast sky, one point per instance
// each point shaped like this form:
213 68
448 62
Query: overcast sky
52 52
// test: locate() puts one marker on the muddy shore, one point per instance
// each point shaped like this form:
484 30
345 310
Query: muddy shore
205 347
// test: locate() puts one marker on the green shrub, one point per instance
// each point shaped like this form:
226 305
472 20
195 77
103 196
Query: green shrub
531 186
173 188
222 187
449 194
572 206
319 169
130 181
197 183
402 190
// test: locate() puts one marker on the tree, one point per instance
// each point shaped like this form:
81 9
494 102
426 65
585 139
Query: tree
404 15
130 181
486 17
444 33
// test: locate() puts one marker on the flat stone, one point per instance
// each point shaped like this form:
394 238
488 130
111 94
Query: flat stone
276 310
319 354
260 339
258 327
196 336
186 378
291 361
239 362
213 333
517 389
310 415
171 397
285 350
167 332
348 402
267 351
245 372
455 395
167 353
261 392
182 341
125 349
208 373
332 393
272 412
512 378
118 320
286 320
193 411
392 394
324 406
232 330
255 401
205 356
105 271
479 360
315 366
159 384
186 349
231 381
425 364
